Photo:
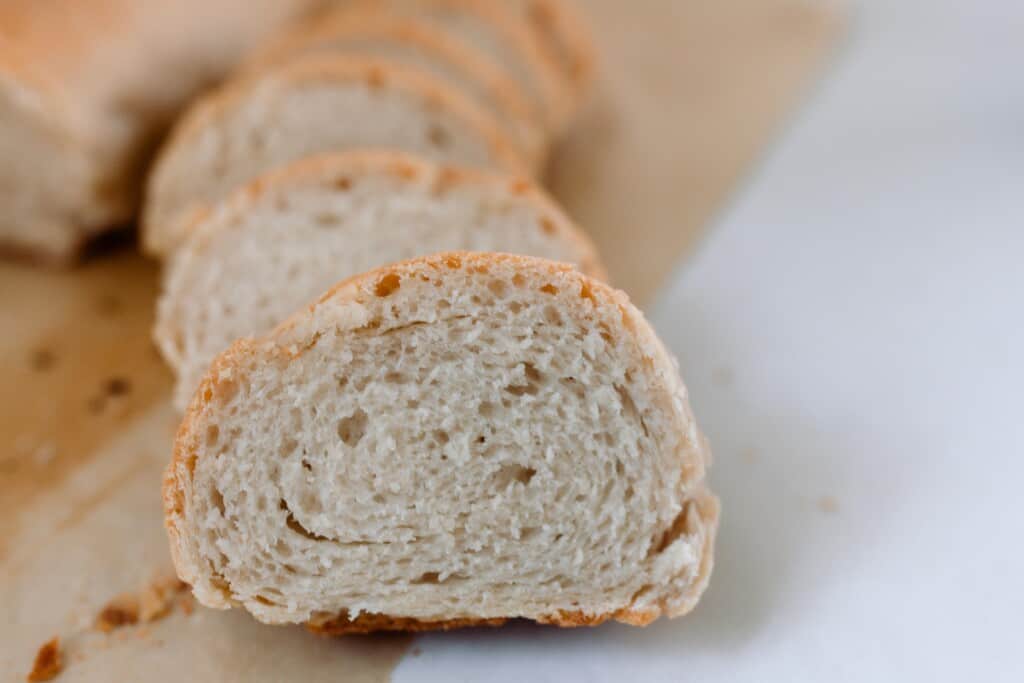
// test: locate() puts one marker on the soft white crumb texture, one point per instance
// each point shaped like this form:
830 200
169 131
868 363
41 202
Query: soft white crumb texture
468 445
282 119
248 268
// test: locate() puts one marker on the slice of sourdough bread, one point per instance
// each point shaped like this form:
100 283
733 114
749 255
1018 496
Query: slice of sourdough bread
284 239
420 43
457 439
309 105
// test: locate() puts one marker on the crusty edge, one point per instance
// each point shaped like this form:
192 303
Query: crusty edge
563 20
379 24
514 31
362 287
337 68
337 166
342 167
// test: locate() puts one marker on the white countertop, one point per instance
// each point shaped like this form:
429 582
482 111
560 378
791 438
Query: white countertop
851 331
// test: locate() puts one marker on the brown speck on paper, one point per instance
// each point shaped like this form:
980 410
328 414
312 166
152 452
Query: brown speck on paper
158 597
48 662
117 386
828 504
121 611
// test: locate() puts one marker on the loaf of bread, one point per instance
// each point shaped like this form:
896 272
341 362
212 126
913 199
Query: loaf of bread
456 439
284 239
87 88
412 40
311 104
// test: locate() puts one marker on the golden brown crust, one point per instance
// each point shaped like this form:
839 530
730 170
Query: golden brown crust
515 34
341 624
313 68
566 39
501 93
334 168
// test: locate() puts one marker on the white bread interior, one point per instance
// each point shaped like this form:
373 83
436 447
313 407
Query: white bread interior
311 104
282 241
456 438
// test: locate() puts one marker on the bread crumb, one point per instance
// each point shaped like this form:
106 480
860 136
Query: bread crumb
117 386
121 611
48 662
157 598
828 504
186 605
749 455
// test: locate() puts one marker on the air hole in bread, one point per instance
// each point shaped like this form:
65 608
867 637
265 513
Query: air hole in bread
549 289
533 380
552 315
498 288
295 526
428 577
327 219
387 285
351 429
547 226
677 529
217 499
395 377
512 474
438 137
212 435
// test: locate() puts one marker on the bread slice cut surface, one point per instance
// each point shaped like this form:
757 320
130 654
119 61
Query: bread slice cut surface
280 242
450 440
312 104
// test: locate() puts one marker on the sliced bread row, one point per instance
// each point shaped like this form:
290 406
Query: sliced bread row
282 240
473 82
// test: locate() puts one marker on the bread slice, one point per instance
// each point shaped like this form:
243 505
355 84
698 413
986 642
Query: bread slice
284 239
499 32
86 89
410 40
456 439
312 104
565 40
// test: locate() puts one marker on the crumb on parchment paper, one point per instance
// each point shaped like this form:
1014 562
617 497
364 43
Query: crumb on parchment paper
153 602
828 504
48 662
